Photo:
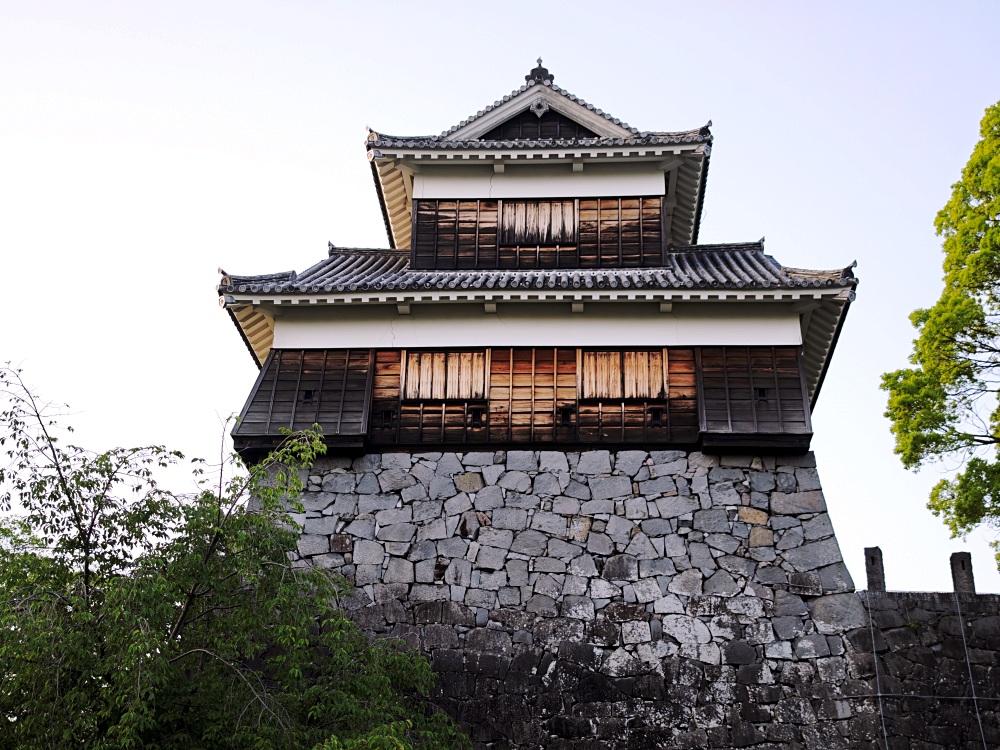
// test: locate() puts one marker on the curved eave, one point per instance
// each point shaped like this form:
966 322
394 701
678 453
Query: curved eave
821 327
256 327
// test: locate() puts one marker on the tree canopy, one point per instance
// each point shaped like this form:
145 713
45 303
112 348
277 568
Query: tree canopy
133 617
946 406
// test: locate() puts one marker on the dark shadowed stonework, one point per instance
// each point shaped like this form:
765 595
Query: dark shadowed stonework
663 599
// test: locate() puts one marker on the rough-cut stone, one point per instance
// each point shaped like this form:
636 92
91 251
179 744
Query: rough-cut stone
368 553
685 629
604 488
621 568
837 613
798 502
594 462
814 555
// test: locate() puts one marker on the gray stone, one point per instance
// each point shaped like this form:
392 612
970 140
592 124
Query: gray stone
620 530
594 462
368 553
375 503
422 550
400 532
324 526
424 570
517 572
429 593
685 629
785 482
489 498
458 573
715 519
392 480
540 604
563 550
601 589
515 480
493 581
368 485
671 507
550 523
339 482
452 547
441 487
579 491
789 538
621 568
578 607
688 583
817 527
739 566
657 527
428 510
398 571
515 519
641 548
491 558
416 492
553 461
436 529
368 462
600 544
723 542
396 461
762 481
583 566
797 502
629 462
362 527
723 493
646 590
807 479
811 647
548 565
522 461
492 473
836 578
788 604
787 628
669 604
310 544
604 488
478 458
547 484
659 486
636 631
718 474
530 543
594 507
814 555
721 584
494 537
394 515
517 500
568 506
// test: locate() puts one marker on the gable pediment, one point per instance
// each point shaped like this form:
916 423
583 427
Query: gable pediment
543 101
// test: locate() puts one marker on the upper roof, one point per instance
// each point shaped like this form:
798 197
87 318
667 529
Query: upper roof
686 152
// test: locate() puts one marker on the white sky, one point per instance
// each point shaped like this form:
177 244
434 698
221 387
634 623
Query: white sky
143 145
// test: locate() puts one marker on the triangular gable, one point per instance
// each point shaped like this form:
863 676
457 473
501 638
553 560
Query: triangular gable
539 123
540 95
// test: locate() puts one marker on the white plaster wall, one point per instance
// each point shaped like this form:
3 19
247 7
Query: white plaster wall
539 181
543 324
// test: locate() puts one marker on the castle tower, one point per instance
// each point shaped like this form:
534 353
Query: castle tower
568 444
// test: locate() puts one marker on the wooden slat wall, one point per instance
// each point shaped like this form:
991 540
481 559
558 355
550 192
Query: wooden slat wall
528 125
588 233
300 388
455 234
753 390
620 232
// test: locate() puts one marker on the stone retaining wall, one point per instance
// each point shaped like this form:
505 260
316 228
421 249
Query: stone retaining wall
604 600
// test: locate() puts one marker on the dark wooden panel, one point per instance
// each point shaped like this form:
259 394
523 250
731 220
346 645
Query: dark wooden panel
529 126
752 390
300 388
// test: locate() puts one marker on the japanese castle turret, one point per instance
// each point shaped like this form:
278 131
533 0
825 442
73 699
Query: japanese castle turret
568 445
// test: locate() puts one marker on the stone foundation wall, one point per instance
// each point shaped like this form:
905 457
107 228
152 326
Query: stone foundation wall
605 600
937 682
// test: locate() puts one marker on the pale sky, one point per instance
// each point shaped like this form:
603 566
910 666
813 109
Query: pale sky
145 144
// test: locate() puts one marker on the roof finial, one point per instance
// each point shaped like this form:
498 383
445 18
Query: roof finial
539 74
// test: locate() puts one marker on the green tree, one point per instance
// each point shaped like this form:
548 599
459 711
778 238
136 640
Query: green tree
946 406
132 617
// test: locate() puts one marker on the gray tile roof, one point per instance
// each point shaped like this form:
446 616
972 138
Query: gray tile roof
736 266
540 77
380 140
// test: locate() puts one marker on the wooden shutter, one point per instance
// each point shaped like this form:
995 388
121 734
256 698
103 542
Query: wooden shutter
629 374
435 376
538 223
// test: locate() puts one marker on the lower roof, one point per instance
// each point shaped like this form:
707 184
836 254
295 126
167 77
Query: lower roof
716 273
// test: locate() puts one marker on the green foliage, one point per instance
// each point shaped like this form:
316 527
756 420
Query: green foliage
131 617
946 405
